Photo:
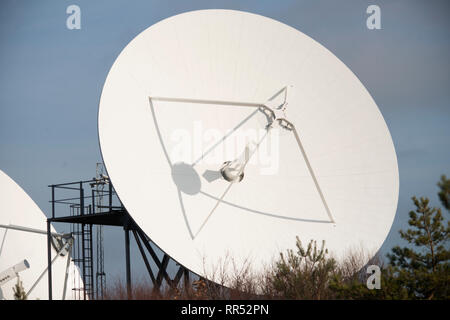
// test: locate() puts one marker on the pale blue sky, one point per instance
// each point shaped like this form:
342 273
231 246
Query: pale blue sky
51 79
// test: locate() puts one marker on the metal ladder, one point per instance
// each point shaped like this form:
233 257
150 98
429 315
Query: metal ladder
83 254
87 261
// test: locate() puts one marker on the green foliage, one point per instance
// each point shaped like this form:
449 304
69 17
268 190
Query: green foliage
424 270
19 291
303 274
356 289
420 270
444 193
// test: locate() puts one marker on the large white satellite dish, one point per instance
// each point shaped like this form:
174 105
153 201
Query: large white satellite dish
23 248
229 133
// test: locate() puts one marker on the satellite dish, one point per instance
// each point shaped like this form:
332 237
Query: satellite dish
229 133
23 248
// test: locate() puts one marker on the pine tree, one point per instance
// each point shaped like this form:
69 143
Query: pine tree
303 274
425 269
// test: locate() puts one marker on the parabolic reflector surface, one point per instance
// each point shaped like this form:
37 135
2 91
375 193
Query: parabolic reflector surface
18 209
204 89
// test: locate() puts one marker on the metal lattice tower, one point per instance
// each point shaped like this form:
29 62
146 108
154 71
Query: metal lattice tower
100 263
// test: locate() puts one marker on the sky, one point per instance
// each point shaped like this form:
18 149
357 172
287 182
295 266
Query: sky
51 80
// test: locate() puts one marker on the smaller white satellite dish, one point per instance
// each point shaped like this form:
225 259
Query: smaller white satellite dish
23 238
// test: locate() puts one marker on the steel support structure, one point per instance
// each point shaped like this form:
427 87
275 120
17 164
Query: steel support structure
108 215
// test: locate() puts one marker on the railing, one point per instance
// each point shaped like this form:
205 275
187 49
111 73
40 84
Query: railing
87 199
